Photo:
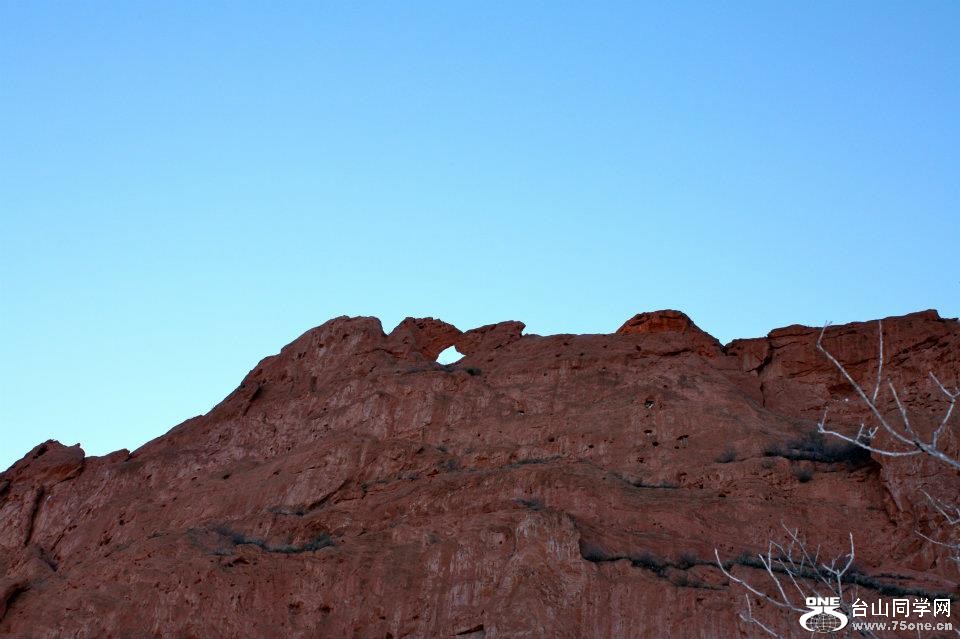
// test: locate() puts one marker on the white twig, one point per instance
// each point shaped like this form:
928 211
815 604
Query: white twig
784 603
749 618
805 570
916 445
909 437
953 518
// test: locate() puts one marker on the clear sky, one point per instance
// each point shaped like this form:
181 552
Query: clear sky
186 187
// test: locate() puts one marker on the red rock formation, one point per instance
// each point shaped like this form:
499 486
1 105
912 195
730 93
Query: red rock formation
560 486
676 331
489 338
658 322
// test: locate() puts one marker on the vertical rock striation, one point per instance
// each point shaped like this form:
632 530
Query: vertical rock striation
542 486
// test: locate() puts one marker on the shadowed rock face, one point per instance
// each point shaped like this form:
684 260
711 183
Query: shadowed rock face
559 486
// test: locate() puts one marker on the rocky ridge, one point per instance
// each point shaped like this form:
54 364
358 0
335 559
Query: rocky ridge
542 486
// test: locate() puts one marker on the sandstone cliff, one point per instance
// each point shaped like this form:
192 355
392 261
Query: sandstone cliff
543 486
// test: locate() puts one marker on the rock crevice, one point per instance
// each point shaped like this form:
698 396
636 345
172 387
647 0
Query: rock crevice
336 492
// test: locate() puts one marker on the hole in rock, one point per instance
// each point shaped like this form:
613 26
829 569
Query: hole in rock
449 355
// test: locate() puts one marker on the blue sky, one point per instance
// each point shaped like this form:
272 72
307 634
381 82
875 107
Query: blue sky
186 187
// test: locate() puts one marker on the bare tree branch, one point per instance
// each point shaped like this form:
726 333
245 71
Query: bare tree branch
793 561
749 618
909 437
809 576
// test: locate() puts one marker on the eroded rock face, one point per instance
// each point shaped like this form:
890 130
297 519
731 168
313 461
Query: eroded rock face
677 333
667 321
489 338
559 486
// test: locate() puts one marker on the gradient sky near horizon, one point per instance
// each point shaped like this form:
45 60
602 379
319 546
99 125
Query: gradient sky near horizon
186 187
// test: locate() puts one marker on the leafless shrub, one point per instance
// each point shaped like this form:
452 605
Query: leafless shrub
794 571
727 456
906 438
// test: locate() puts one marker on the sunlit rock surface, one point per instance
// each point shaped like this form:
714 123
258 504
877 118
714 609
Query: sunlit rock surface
542 486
